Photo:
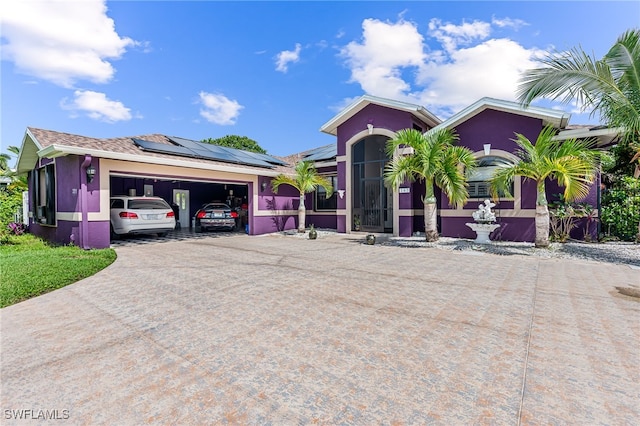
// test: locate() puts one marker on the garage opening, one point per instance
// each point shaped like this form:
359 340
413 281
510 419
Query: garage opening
185 196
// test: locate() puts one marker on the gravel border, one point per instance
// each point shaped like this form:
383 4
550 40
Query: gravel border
625 253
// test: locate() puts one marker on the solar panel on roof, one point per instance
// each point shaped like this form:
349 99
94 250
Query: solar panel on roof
164 148
265 157
322 153
185 142
225 153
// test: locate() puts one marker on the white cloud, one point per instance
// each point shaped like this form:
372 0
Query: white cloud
62 41
386 48
287 56
451 36
516 24
97 106
394 61
491 68
219 109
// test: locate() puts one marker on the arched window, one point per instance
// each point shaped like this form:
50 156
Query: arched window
478 179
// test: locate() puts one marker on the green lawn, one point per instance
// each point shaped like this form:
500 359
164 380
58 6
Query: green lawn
30 267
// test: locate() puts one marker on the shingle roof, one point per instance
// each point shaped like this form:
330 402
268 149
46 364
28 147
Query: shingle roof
65 142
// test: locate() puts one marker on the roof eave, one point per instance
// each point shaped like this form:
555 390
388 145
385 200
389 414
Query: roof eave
53 151
605 137
555 118
28 156
331 126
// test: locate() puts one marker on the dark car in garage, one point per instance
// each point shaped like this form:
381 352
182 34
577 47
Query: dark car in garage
215 216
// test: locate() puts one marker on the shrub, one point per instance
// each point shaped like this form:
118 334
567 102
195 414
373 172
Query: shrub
564 218
10 204
621 209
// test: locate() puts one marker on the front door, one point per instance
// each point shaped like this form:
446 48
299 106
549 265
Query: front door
372 205
181 199
371 202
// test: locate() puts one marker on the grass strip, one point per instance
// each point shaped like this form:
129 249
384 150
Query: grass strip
30 267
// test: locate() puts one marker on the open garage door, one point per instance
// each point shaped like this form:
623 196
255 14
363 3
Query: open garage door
186 196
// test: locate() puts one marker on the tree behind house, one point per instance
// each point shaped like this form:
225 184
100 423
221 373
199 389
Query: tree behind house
238 142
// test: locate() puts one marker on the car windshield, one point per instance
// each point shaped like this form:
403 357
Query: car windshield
217 206
148 205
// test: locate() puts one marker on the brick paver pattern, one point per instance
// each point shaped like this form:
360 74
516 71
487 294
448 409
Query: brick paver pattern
283 330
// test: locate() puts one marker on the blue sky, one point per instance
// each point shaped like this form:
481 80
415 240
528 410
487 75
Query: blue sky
273 71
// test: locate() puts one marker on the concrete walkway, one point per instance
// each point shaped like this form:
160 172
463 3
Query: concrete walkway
282 330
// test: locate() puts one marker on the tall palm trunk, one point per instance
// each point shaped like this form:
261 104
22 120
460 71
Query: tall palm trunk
430 212
431 220
542 218
302 214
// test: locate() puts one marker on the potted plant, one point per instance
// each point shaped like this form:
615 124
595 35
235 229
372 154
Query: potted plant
313 234
356 222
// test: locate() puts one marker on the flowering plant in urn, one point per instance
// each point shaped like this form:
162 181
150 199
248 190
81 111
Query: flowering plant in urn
484 213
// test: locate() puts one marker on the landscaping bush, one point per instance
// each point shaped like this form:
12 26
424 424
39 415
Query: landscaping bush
621 209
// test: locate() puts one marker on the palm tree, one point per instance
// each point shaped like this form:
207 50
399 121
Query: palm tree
437 161
610 86
573 163
5 170
305 180
4 163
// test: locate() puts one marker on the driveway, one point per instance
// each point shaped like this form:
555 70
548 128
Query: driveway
283 330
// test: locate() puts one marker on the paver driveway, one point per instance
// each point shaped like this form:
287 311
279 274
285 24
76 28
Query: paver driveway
282 330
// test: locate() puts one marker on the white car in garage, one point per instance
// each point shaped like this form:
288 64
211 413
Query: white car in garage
141 215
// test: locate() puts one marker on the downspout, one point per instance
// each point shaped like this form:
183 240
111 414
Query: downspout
84 203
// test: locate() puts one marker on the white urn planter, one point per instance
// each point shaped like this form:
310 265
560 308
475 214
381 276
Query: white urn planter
482 231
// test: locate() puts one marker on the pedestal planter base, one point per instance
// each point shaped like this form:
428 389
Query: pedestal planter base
482 231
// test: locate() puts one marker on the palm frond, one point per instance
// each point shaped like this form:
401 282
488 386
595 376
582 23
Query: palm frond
435 159
609 86
306 179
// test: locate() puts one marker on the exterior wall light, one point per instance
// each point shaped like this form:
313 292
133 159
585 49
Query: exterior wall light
370 127
341 193
91 173
263 185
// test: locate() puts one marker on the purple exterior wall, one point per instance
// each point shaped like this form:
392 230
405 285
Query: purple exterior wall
498 129
287 198
380 117
511 229
68 175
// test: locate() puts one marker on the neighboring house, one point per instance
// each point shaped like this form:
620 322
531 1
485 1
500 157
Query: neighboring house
70 206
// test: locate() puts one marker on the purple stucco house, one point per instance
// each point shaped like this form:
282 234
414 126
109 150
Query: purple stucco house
72 177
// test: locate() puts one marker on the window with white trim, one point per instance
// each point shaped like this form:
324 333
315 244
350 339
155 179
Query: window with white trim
478 180
324 203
